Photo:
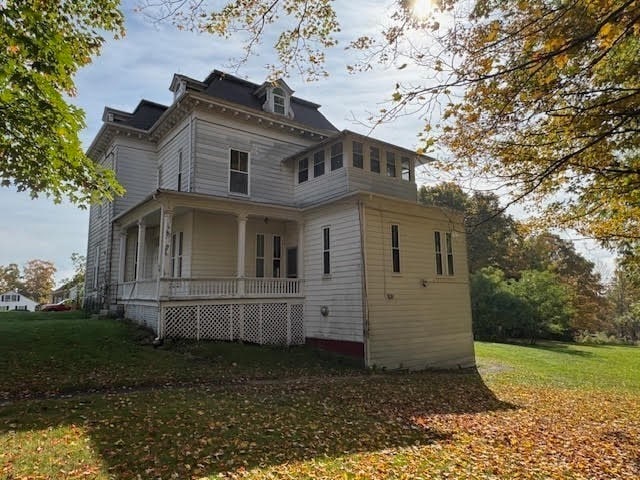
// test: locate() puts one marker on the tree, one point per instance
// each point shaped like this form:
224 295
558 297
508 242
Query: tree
38 279
43 46
549 252
542 94
9 278
490 231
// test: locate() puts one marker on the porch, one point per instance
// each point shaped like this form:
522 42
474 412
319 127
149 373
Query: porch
213 268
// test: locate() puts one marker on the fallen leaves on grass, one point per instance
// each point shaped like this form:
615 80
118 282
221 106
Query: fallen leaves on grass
392 426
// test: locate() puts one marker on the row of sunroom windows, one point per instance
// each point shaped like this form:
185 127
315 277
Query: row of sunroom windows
357 158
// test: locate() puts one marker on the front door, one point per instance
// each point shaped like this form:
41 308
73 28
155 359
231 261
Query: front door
292 262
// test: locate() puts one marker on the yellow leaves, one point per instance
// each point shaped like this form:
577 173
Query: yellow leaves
608 34
13 49
494 30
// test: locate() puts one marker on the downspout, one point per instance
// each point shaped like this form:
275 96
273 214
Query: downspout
363 274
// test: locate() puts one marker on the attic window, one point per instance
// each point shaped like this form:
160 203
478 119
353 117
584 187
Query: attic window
279 101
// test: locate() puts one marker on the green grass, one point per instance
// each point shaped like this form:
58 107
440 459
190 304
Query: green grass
50 353
554 411
563 364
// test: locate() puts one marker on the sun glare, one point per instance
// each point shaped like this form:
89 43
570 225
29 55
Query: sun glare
421 9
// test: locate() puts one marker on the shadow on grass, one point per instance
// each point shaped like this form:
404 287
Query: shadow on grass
190 433
557 347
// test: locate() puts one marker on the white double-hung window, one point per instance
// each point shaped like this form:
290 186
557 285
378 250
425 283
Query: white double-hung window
239 172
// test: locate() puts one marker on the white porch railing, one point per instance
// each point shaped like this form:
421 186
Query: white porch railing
141 290
211 288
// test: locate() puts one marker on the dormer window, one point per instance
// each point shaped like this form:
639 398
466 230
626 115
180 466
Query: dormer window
181 88
277 98
279 101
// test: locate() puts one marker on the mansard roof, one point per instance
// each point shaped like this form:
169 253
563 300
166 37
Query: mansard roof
143 117
248 94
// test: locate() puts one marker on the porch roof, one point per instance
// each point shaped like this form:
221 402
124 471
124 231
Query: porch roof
173 199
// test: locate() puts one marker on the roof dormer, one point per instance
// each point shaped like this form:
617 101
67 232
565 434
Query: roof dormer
277 96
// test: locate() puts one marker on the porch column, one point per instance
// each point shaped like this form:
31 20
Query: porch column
242 242
165 243
300 249
123 256
142 232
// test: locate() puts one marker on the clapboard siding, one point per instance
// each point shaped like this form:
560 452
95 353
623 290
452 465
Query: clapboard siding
100 216
151 249
136 168
179 140
417 319
367 181
321 189
341 292
270 181
214 245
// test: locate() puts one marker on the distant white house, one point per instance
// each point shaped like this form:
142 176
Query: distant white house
16 301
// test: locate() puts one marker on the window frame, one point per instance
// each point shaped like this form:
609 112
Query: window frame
405 168
276 258
305 170
319 162
326 250
177 249
179 170
258 256
449 251
357 154
437 240
373 159
337 158
278 92
247 173
390 169
395 248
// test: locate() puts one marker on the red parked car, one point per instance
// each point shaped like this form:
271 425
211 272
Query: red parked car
57 307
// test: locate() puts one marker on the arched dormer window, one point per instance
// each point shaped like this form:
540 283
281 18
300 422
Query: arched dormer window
279 101
277 98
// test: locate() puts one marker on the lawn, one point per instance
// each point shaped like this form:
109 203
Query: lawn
212 410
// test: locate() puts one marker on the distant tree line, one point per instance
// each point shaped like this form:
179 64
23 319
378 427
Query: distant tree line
536 285
36 279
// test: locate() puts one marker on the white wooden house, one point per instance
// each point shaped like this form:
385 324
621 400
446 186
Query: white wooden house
249 216
14 300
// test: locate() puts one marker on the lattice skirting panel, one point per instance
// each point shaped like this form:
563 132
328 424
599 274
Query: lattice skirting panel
278 323
144 315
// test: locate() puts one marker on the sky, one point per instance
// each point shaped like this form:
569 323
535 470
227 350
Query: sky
142 65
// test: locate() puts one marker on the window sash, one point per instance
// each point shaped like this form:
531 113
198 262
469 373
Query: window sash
278 104
336 156
318 163
406 168
449 245
438 250
395 248
259 255
239 172
391 164
180 171
326 251
303 170
374 156
358 155
277 255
